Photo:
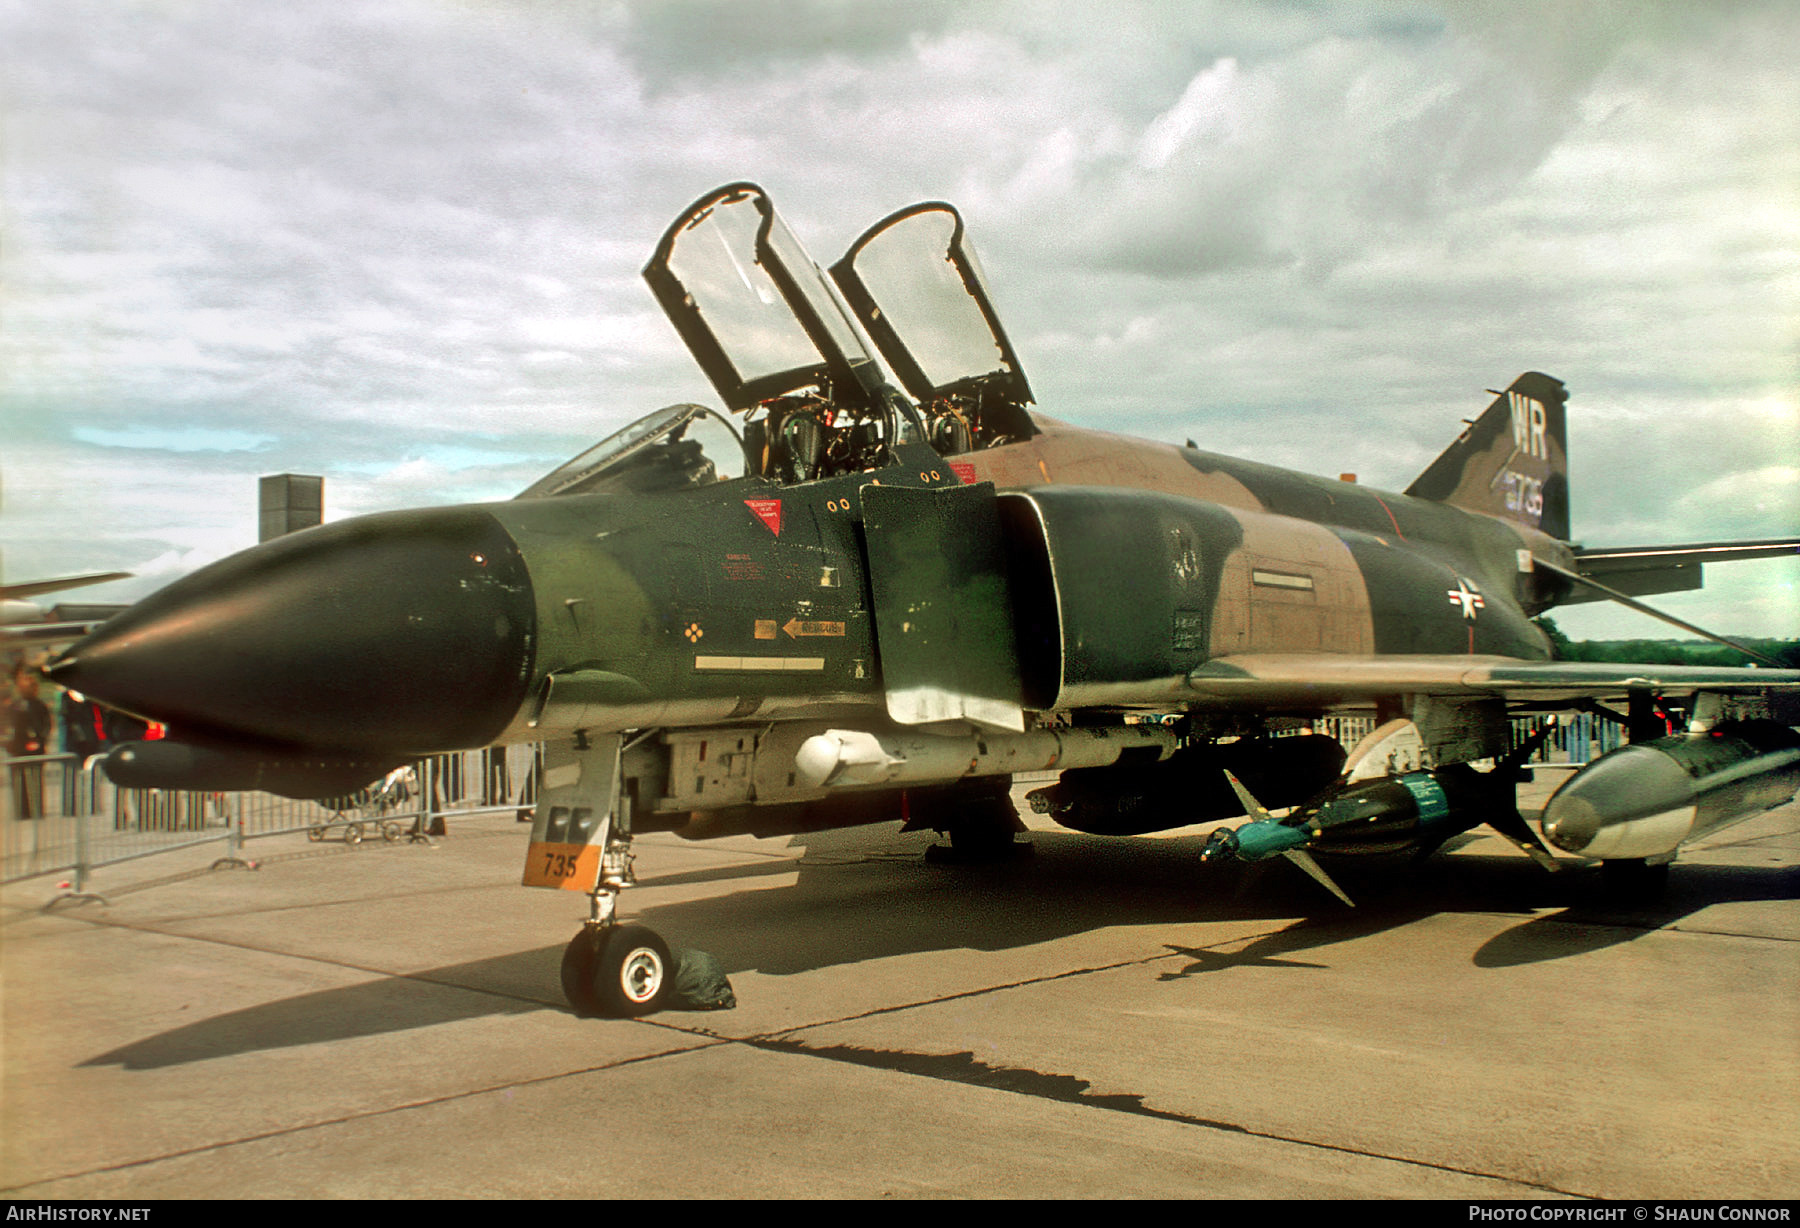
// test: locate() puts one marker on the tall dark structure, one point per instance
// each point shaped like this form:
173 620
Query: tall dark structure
289 501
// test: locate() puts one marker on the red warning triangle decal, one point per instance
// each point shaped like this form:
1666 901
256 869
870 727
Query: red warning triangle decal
768 511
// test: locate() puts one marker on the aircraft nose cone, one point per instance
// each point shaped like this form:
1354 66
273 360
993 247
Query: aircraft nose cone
406 631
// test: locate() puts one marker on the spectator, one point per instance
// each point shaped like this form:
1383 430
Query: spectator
27 736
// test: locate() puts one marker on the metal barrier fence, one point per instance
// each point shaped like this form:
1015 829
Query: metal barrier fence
1577 739
60 815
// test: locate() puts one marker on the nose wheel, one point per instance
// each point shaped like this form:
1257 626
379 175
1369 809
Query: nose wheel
617 971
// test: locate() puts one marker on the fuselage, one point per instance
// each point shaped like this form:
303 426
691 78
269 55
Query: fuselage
749 601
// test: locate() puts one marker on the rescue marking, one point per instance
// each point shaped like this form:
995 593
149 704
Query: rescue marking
765 628
965 471
796 628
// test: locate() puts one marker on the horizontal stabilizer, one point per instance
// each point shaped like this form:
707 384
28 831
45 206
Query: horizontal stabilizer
1641 571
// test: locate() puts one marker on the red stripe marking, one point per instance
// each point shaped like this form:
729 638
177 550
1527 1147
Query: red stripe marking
1390 512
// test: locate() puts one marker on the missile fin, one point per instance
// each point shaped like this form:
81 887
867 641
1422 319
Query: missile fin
1252 807
1305 861
1299 857
1512 825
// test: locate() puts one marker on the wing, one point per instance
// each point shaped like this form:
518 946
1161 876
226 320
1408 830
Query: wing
1302 681
36 588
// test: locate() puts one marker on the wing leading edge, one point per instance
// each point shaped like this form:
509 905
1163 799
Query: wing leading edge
1310 681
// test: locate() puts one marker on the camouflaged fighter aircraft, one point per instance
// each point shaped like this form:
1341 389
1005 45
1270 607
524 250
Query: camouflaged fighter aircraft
902 600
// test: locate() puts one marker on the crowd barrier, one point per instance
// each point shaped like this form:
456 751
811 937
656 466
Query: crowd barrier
63 816
60 815
1577 739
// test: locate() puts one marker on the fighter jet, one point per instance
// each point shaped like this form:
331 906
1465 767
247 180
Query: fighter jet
848 600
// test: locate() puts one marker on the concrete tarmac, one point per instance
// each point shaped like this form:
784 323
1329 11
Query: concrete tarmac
1106 1018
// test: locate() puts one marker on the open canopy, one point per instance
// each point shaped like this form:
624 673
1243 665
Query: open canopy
759 316
915 284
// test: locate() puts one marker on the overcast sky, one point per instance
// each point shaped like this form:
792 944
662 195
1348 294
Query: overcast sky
398 243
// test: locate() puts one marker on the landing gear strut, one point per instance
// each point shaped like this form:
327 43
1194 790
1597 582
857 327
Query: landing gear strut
612 970
581 841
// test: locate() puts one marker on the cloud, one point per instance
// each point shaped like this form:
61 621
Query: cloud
178 439
374 241
700 40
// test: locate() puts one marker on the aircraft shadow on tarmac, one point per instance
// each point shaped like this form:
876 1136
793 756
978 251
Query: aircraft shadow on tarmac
850 905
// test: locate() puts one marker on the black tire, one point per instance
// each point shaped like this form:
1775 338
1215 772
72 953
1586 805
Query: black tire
580 959
618 972
985 833
1632 880
984 840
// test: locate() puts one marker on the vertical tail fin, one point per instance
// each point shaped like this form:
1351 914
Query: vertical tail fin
1511 462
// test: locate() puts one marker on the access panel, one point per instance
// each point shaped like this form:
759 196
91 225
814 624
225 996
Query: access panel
943 610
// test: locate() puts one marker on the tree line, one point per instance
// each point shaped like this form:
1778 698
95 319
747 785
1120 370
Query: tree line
1667 652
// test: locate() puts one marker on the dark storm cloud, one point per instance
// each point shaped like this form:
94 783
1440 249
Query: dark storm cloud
1311 157
703 40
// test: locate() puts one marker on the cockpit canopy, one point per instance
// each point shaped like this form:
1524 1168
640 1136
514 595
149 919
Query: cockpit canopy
683 445
754 309
782 345
916 286
777 340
